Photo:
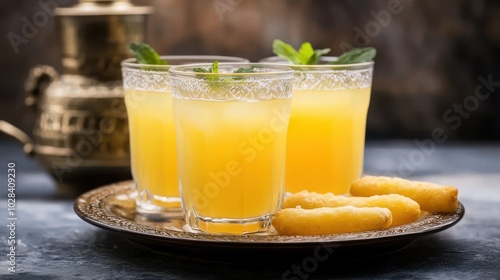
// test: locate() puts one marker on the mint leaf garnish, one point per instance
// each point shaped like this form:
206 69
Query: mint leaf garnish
309 56
201 70
320 53
306 55
249 69
218 80
145 54
285 51
214 69
358 55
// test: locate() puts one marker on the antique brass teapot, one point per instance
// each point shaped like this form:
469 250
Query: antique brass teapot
81 130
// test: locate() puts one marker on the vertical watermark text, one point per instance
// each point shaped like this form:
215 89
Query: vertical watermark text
11 217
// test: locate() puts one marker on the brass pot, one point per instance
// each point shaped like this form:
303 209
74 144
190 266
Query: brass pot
81 130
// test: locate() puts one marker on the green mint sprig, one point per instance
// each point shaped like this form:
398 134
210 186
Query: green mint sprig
249 69
145 54
358 55
214 69
306 55
219 82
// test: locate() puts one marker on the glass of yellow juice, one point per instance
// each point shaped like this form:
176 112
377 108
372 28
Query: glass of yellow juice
231 141
326 134
148 99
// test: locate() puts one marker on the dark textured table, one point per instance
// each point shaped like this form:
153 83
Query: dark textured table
53 243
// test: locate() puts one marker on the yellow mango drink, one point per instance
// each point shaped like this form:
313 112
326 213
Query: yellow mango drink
153 149
326 134
326 139
148 99
231 140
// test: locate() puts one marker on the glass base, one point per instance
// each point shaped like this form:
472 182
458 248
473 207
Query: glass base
258 225
152 205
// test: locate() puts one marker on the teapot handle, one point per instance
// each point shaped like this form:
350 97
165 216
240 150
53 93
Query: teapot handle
39 78
18 134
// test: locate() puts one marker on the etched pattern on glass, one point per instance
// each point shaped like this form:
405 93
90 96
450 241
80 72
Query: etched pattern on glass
250 88
332 79
149 80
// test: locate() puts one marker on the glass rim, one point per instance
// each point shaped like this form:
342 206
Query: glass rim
132 62
183 70
277 60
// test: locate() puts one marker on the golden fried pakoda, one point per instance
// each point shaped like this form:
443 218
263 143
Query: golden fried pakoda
431 197
404 210
327 220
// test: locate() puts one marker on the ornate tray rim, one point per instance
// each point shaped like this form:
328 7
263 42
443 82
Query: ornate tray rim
93 208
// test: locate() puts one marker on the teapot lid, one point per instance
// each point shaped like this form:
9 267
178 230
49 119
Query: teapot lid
103 7
94 35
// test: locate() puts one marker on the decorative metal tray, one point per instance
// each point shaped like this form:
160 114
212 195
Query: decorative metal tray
112 207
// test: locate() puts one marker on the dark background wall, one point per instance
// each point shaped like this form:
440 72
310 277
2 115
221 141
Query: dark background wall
432 55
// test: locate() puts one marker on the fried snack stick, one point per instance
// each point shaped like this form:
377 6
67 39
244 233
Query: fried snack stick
326 220
431 197
404 210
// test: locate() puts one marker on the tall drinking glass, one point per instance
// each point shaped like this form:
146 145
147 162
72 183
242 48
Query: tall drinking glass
231 141
148 99
326 135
